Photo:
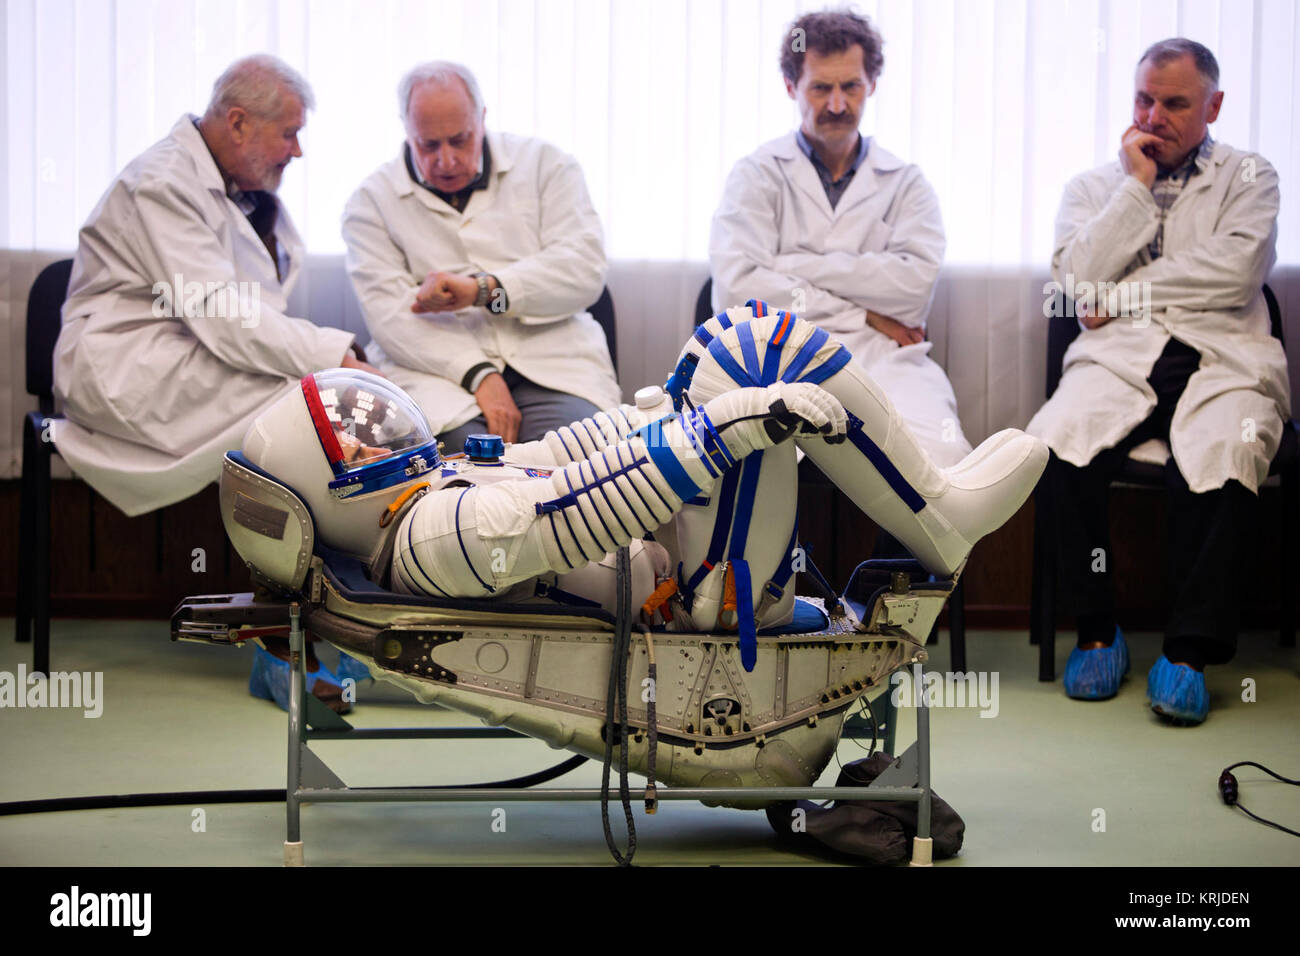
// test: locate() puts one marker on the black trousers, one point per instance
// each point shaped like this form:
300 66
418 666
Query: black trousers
1208 535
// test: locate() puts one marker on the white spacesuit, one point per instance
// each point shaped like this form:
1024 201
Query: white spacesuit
362 457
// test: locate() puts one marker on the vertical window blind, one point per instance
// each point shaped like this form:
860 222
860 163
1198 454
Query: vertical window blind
999 101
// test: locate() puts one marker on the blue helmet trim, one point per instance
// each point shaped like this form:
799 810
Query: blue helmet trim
387 472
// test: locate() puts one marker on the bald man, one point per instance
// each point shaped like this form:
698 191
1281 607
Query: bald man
474 256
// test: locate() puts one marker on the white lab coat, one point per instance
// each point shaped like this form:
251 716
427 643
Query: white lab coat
534 228
1218 248
879 249
153 403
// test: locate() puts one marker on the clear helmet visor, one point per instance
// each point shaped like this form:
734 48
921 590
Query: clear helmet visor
365 424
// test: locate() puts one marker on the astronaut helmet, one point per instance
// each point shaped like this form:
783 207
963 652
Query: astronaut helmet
349 443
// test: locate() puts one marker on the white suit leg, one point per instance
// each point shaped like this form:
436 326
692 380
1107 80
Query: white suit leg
923 396
938 514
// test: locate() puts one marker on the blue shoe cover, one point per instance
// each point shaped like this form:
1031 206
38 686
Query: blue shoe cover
1096 674
1178 692
351 667
270 678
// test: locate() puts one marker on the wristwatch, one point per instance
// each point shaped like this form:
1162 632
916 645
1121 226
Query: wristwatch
481 299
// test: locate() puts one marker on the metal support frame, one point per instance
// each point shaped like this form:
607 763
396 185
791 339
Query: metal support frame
311 781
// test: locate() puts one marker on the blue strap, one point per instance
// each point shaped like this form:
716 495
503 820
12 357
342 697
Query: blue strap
745 336
708 442
703 336
772 357
828 368
736 556
693 435
745 504
883 465
771 362
828 593
721 528
745 614
804 355
729 365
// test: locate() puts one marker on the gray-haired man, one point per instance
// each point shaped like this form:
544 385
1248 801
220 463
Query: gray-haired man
474 255
1190 225
174 330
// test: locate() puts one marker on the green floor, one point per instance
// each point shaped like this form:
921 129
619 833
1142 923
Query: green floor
1028 782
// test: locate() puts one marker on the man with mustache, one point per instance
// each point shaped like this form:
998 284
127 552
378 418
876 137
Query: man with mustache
826 222
1194 223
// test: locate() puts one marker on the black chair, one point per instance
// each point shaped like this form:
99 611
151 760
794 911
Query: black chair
704 303
1286 465
44 305
813 476
602 310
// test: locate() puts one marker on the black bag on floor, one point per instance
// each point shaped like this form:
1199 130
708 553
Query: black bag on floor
879 832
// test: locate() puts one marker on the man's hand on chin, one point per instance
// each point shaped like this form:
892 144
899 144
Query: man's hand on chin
445 292
499 408
1134 155
900 333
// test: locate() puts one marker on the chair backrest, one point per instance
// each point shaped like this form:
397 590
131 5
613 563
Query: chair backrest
1065 328
44 319
704 303
1062 329
602 310
1274 316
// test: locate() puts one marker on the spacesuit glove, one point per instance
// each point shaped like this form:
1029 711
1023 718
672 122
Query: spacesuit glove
751 419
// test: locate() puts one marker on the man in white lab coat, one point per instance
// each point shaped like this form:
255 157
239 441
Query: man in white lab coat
474 256
826 222
174 332
1177 349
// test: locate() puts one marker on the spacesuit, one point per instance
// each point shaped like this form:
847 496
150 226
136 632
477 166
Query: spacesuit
713 485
